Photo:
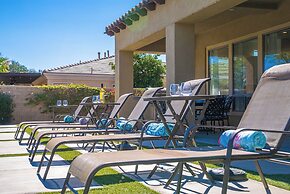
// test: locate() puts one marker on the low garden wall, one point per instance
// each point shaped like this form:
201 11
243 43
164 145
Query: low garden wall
22 111
31 103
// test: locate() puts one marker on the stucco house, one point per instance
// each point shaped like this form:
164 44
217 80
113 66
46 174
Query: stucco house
231 41
92 73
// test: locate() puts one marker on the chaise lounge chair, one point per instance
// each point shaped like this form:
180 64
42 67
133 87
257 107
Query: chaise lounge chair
36 137
24 125
53 144
268 111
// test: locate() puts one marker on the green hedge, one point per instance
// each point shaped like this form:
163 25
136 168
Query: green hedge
6 108
74 93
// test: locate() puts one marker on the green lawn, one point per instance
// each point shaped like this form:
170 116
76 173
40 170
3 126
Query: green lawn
112 181
117 183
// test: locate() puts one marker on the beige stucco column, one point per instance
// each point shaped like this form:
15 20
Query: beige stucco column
180 44
124 72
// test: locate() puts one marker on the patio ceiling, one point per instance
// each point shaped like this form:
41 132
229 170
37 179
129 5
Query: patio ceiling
132 15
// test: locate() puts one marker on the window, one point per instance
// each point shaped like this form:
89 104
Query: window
246 68
219 71
245 72
277 48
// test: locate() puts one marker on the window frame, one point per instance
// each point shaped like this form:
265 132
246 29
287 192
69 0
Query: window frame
260 35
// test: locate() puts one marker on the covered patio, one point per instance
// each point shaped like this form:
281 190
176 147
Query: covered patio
231 41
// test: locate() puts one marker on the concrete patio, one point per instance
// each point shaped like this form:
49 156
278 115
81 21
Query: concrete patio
18 175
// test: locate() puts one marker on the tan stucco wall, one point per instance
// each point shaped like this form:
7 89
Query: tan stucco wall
87 79
244 26
23 112
151 28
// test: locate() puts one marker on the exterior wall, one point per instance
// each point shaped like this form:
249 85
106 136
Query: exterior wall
23 112
249 25
151 28
87 79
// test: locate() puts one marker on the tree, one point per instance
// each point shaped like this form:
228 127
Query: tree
16 67
148 71
4 64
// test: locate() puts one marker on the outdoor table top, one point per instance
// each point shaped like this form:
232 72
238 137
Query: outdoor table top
68 106
195 97
100 103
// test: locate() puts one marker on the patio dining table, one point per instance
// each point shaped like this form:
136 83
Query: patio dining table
177 117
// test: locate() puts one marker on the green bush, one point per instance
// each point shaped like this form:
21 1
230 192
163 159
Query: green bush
6 108
74 93
138 91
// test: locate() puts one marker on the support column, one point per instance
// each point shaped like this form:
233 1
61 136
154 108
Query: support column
180 53
123 72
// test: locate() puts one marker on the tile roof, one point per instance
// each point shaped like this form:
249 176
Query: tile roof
96 66
132 15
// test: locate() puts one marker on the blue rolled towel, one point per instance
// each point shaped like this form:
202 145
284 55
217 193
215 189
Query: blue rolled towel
103 123
123 125
247 140
158 129
68 119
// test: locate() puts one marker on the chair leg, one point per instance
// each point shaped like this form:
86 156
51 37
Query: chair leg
226 176
30 139
153 171
136 169
17 132
41 161
179 178
65 183
175 172
48 165
34 151
203 168
32 148
189 169
21 136
88 185
259 169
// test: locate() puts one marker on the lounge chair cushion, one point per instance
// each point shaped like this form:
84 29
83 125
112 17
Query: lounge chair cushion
158 129
124 125
68 119
247 140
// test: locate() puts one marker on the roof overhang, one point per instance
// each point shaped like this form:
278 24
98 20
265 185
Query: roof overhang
132 15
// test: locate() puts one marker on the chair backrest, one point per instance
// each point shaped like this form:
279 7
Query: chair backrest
269 107
215 108
196 85
228 104
92 110
80 106
122 99
141 105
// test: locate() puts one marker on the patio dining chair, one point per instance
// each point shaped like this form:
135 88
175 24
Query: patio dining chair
262 114
23 125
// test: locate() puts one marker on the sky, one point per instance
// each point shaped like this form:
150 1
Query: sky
41 34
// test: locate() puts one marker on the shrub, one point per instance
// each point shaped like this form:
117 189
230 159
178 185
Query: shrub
6 108
74 93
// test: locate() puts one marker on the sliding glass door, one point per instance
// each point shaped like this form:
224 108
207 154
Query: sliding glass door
245 72
219 71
